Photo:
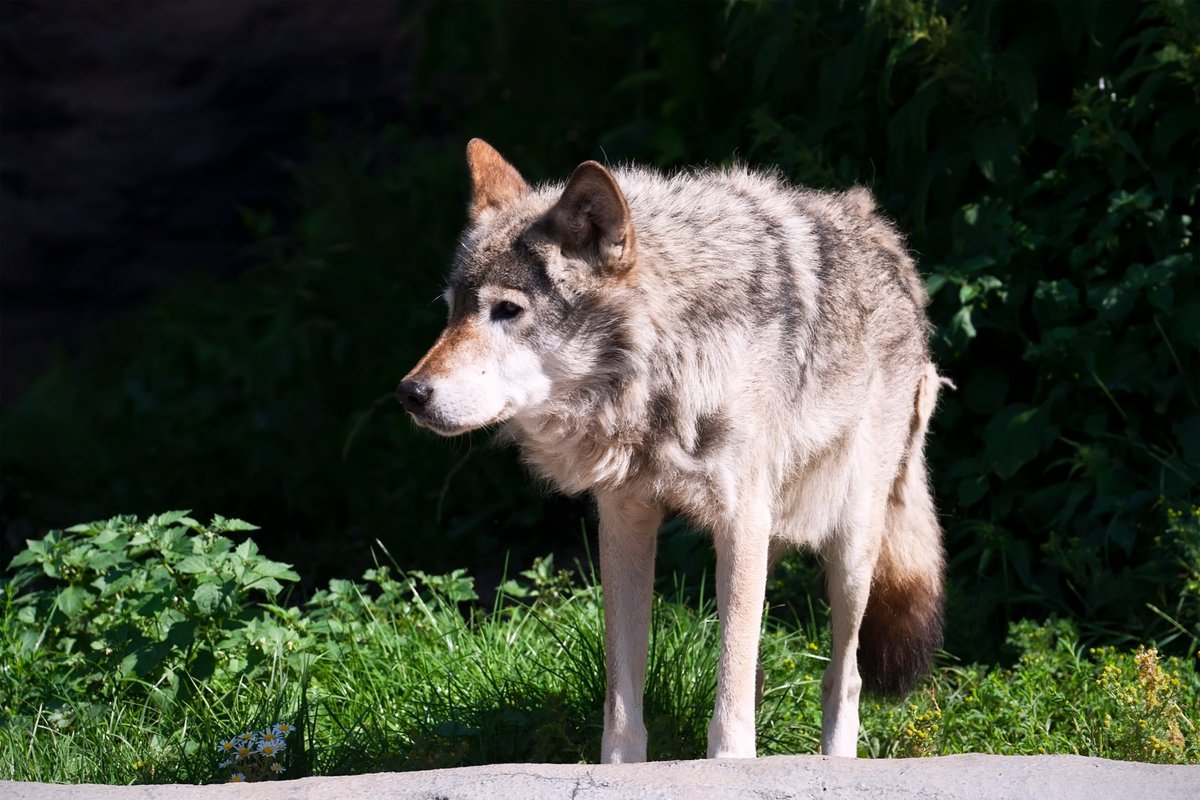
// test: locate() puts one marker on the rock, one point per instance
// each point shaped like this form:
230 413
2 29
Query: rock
962 777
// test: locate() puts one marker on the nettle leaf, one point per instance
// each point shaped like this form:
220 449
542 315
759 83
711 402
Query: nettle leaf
35 550
270 586
104 560
961 326
934 283
171 518
207 597
73 599
276 569
195 565
247 549
221 524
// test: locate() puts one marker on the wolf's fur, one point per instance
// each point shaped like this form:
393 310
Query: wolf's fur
718 344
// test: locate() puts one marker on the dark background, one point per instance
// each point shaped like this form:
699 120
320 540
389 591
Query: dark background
225 226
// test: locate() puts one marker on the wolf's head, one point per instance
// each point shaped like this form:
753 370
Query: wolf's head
528 316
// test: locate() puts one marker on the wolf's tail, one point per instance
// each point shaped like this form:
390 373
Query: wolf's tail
902 626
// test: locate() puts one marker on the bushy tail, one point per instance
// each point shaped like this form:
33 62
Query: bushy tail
902 626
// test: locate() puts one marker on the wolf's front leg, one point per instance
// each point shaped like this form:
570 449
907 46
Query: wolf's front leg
741 588
628 535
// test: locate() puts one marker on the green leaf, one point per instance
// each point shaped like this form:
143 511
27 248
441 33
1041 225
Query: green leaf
195 565
247 549
73 599
934 283
961 324
276 569
207 598
269 586
221 524
171 518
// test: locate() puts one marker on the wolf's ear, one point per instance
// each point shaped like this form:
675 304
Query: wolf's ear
494 181
591 219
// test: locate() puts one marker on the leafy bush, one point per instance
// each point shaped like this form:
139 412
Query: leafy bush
1041 156
163 603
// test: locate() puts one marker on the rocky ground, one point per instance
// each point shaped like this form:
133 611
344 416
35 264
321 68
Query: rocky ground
965 777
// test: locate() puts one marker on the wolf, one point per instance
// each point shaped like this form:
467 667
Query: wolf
718 344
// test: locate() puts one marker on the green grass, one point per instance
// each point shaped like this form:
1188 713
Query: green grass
408 672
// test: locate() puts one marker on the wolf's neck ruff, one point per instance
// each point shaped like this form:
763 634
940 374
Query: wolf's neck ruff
724 345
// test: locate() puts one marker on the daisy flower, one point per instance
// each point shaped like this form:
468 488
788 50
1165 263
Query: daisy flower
283 729
237 777
277 768
227 746
247 736
270 736
244 751
269 749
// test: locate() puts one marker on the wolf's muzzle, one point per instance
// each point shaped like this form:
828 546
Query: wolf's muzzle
414 395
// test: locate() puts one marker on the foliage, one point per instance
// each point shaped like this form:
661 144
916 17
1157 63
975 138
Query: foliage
1058 697
148 603
405 672
1042 158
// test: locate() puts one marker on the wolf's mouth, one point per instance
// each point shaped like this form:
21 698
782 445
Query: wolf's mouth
443 428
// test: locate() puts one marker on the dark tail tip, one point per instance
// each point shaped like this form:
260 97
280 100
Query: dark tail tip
900 632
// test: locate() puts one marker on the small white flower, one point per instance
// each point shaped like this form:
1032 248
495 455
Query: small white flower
277 768
237 777
270 749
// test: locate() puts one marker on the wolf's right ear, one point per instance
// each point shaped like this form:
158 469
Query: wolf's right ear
592 220
494 182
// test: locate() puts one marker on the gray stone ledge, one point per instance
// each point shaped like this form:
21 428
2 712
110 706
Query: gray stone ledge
969 777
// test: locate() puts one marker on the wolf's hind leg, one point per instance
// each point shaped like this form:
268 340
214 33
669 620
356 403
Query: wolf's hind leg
850 562
628 535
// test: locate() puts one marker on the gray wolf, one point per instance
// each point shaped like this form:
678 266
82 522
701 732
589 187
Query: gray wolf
718 344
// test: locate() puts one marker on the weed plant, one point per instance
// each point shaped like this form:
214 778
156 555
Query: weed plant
120 666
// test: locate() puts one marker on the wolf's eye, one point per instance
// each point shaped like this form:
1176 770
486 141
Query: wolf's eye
505 310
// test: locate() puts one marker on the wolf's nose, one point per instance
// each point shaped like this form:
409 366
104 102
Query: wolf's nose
414 395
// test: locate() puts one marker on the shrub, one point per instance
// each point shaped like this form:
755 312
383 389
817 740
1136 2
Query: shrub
163 604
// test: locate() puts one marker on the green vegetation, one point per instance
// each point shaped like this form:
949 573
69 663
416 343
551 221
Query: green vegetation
133 650
1042 158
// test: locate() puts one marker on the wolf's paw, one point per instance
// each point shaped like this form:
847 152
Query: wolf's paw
730 740
629 748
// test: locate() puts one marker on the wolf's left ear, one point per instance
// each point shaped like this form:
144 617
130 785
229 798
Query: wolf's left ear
592 220
494 182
